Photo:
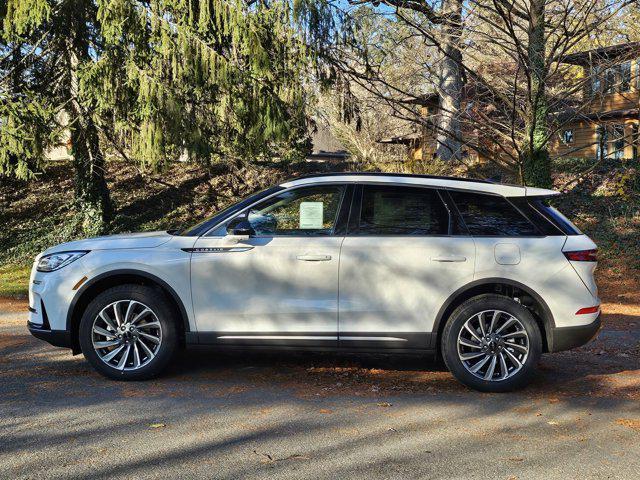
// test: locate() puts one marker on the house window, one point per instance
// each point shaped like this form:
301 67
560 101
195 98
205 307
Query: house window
625 77
635 139
567 137
617 140
609 80
602 140
596 83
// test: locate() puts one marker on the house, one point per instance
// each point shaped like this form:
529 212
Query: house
606 125
421 142
602 122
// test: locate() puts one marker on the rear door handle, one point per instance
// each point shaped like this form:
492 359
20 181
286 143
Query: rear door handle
449 258
314 258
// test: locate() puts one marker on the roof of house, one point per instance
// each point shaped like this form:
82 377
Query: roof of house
324 142
603 53
407 139
425 180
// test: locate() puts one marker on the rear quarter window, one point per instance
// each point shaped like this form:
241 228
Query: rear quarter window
492 216
542 205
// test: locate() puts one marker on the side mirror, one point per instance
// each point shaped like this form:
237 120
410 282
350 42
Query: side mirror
240 229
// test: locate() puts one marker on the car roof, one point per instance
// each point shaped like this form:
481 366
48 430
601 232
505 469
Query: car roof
456 183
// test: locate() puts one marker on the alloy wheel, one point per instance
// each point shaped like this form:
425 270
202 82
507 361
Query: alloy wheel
493 345
126 335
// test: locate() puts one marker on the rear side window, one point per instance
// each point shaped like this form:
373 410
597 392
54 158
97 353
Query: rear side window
491 215
392 210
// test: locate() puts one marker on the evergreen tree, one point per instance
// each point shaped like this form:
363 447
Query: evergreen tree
153 81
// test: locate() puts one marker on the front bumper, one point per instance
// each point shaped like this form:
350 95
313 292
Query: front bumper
57 338
565 338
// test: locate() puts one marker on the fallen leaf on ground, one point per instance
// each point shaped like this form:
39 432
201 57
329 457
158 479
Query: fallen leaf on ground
157 425
325 410
629 422
384 404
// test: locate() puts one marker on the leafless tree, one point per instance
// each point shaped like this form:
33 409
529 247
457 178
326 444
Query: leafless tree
497 66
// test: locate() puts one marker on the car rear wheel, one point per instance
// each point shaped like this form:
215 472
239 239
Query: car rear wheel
492 343
127 332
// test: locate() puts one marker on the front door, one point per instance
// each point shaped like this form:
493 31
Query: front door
281 285
399 263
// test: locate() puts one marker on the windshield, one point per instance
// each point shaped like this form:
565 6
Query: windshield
207 224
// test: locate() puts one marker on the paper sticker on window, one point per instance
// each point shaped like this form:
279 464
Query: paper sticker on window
311 215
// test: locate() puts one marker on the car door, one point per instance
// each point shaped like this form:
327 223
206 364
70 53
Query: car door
399 262
280 285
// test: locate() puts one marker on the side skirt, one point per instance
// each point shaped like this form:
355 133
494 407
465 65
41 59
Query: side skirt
411 343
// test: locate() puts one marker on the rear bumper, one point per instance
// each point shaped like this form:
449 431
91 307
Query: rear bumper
565 338
57 338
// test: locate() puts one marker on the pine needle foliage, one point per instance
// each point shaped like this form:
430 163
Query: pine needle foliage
206 80
153 81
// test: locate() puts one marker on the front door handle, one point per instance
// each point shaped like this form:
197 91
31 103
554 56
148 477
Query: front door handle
449 258
314 258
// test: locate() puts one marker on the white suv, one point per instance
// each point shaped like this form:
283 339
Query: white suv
488 276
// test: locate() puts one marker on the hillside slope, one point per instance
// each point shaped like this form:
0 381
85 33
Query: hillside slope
38 214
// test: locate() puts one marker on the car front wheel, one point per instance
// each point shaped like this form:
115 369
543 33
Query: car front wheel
492 343
127 332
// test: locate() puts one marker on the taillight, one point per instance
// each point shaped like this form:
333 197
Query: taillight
582 255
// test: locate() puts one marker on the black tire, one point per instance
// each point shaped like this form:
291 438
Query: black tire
156 301
455 324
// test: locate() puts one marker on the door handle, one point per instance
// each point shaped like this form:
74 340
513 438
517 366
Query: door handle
449 258
314 258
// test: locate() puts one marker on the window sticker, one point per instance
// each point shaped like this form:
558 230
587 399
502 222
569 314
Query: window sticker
311 215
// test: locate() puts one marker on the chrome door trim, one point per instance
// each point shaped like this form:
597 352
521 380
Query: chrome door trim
217 249
375 339
276 337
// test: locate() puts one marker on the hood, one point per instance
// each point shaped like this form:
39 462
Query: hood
114 242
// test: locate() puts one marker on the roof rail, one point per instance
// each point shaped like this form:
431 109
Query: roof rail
383 174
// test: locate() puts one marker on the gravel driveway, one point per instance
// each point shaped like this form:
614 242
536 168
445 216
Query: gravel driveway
318 416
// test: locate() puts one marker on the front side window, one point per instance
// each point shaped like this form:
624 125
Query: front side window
491 215
393 210
301 211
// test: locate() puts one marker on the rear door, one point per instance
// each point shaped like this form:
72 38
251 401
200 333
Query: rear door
399 262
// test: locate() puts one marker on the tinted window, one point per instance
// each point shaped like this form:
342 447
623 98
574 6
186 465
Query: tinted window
490 215
302 211
554 216
544 225
390 210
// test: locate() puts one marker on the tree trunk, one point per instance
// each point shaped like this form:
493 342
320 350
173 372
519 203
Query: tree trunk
92 197
536 163
449 146
91 192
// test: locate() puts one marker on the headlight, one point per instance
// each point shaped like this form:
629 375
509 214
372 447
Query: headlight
55 261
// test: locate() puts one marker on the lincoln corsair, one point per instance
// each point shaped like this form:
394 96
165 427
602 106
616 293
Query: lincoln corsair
487 276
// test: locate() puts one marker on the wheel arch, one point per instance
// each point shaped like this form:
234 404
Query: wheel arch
106 280
502 286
